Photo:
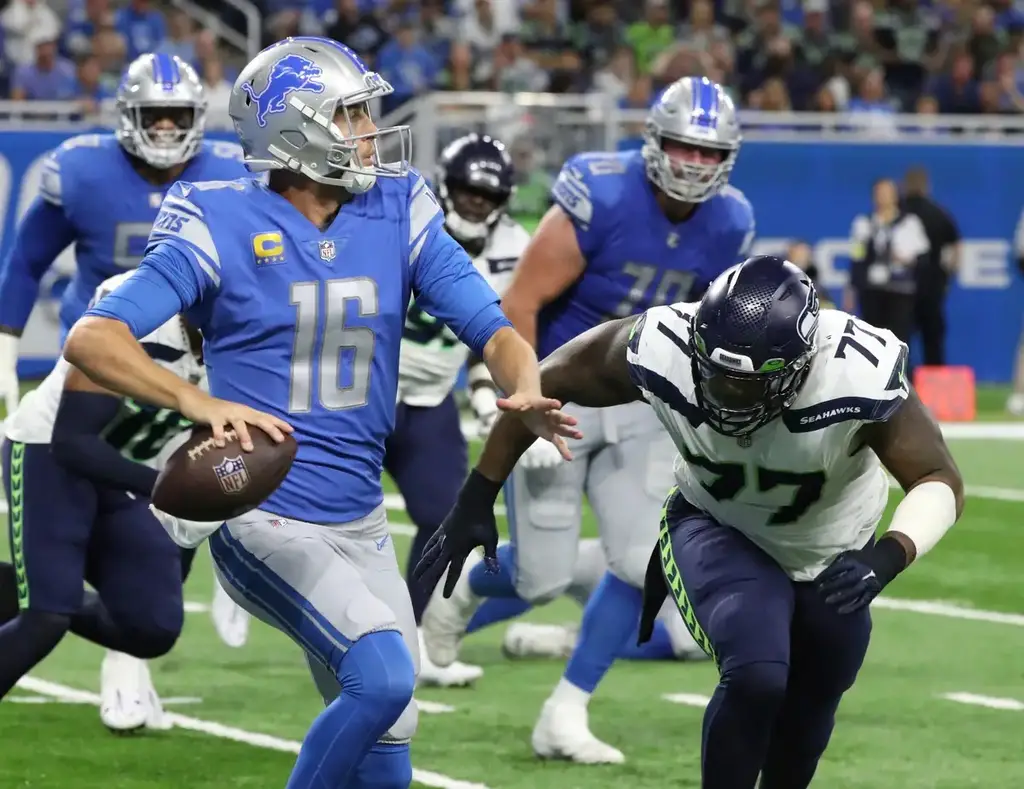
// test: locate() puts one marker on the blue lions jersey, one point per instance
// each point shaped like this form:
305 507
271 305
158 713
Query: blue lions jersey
635 257
307 324
91 196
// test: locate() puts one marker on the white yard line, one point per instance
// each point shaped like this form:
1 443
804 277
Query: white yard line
64 693
938 608
992 702
689 699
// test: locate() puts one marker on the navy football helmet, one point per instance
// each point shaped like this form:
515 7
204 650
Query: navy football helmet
753 338
475 181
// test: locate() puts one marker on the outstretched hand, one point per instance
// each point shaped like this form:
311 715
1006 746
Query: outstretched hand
545 419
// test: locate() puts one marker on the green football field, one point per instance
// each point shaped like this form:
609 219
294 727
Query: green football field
939 703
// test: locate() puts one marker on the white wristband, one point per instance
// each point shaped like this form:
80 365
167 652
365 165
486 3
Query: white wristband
925 515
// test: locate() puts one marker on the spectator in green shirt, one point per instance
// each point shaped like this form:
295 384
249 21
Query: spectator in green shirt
651 36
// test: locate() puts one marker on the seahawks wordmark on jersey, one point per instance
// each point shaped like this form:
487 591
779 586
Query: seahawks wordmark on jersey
142 433
803 488
432 355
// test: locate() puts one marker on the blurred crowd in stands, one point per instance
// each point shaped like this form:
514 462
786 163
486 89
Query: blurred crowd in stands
874 57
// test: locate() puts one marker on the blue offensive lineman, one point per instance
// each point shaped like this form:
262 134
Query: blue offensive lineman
628 231
786 418
101 192
300 288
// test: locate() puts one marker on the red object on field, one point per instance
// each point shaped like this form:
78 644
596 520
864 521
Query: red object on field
948 391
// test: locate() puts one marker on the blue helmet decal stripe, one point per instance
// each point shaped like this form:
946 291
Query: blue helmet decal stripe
704 112
165 71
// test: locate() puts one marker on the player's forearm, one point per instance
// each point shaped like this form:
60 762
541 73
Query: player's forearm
924 516
591 369
508 440
523 321
512 362
105 350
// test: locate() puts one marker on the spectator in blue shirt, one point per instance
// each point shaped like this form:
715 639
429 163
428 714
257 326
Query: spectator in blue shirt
48 78
180 39
84 19
143 27
409 66
91 88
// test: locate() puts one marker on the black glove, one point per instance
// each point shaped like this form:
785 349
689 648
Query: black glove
469 524
855 578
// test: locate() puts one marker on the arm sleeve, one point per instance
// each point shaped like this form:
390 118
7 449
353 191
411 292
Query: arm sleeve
445 282
78 443
42 235
164 285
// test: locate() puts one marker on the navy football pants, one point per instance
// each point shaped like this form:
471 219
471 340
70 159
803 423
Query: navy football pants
426 455
64 531
785 658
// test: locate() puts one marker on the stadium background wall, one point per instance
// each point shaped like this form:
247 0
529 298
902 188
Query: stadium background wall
811 190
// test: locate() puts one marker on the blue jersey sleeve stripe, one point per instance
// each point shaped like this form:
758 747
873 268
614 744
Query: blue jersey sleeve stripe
208 266
415 253
49 182
185 206
422 210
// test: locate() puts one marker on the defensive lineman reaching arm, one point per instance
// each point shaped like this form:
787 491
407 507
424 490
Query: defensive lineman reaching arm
600 368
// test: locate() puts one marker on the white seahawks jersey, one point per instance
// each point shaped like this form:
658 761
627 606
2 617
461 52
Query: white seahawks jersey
142 433
803 487
432 355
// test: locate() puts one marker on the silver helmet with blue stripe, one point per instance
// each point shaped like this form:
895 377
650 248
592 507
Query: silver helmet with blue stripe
691 140
161 109
302 105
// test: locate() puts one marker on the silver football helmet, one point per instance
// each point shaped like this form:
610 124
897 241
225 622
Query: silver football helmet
696 113
301 105
161 108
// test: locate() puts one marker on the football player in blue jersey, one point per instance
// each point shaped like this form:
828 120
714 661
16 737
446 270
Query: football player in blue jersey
627 231
300 288
101 192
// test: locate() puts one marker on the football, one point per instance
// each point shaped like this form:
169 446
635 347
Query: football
204 482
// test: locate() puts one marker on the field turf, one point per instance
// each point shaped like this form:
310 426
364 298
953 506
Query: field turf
953 625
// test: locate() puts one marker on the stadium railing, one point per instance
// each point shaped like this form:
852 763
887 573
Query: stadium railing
806 176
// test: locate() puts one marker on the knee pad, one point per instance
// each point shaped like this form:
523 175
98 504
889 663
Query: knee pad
540 591
631 566
403 729
760 686
379 670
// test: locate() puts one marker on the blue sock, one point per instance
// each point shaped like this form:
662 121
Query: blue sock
386 766
499 584
609 620
377 680
658 648
497 609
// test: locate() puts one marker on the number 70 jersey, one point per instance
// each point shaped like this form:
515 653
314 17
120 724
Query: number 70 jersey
804 487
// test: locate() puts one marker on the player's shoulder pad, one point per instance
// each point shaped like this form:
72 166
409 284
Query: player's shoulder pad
658 355
73 161
509 237
221 159
858 375
738 219
223 149
589 185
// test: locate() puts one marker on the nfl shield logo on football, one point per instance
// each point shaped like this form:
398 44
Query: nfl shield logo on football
327 251
232 474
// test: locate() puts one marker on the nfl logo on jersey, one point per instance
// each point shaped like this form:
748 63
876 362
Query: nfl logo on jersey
327 251
232 474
